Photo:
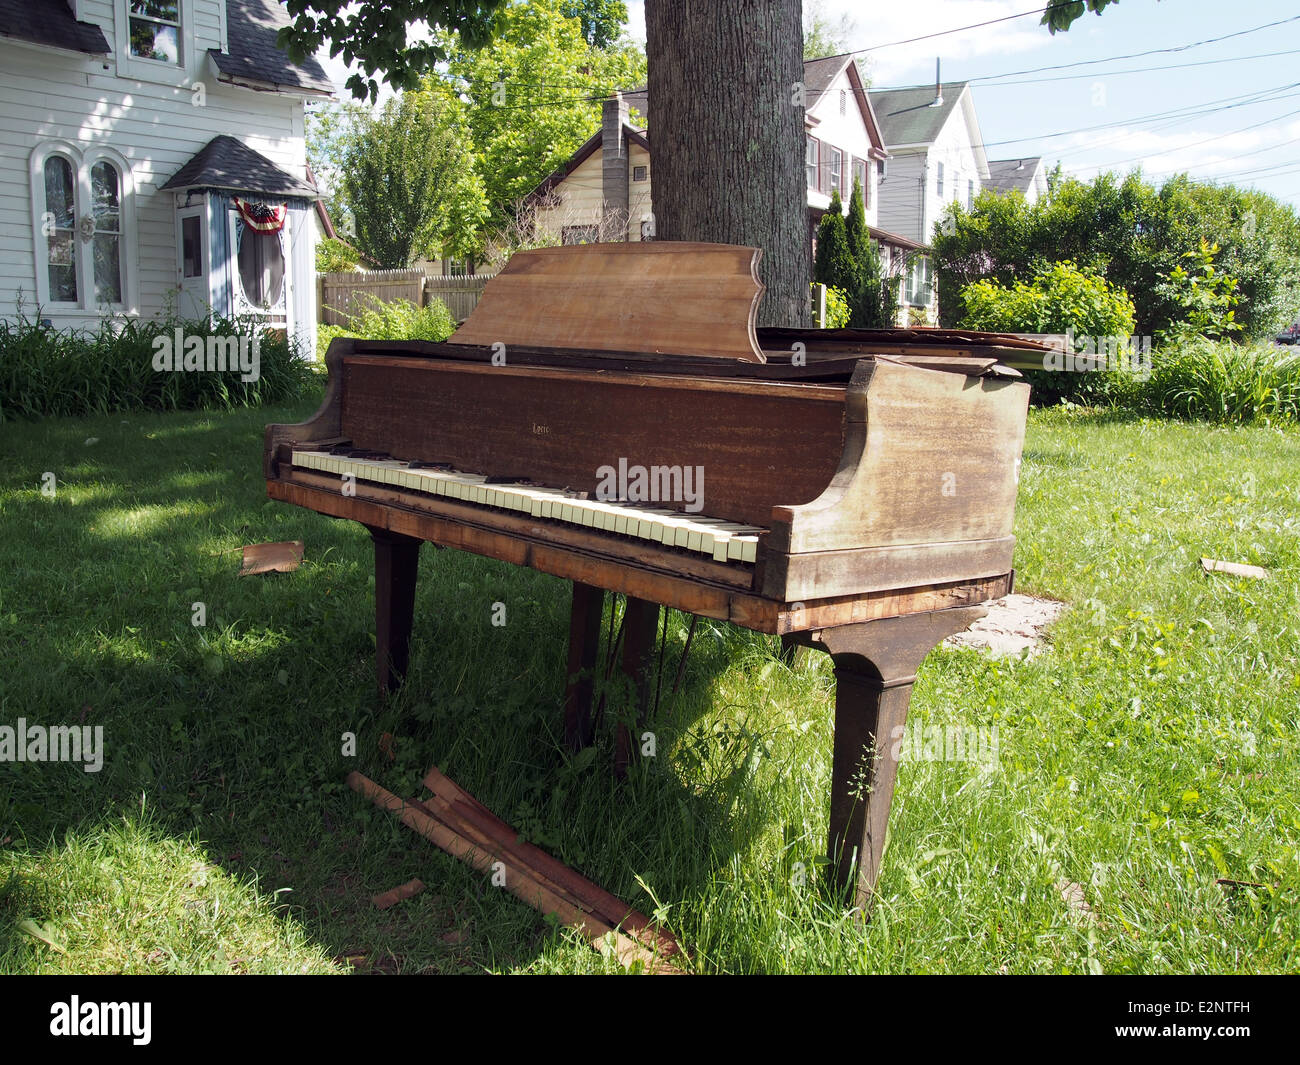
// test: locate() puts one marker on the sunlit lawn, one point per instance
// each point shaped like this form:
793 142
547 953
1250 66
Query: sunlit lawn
1148 753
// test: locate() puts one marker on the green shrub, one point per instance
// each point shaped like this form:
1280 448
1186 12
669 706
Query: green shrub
48 372
834 263
1224 382
335 256
402 320
396 320
837 308
1060 299
1204 296
325 335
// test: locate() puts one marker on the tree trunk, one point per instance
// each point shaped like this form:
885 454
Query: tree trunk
727 136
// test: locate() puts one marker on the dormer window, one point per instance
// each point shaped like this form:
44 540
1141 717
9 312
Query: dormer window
155 30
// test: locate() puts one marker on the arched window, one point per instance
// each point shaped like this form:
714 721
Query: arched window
82 211
106 212
59 228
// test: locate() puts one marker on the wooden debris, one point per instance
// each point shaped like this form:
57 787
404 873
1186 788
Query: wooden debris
465 829
1236 569
401 893
284 557
1226 883
612 910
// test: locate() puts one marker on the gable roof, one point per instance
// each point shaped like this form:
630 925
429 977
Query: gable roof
907 116
52 23
588 148
251 28
1008 174
225 163
818 77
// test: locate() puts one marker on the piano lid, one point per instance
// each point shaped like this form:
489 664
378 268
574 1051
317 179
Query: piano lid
662 297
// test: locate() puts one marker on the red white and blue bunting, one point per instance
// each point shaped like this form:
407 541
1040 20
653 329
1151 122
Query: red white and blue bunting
262 217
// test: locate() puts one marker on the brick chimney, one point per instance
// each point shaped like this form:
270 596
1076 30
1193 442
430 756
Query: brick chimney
614 174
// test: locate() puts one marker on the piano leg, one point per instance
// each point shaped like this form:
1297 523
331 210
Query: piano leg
875 668
397 559
584 640
639 632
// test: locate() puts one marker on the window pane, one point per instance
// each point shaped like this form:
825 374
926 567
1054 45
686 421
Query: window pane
62 271
191 246
165 9
108 268
57 226
59 198
153 40
261 267
105 196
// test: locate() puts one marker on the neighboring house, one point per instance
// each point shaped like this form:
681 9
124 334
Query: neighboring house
936 158
603 191
1025 176
153 156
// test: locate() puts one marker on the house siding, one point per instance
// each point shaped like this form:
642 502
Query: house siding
902 200
48 95
848 133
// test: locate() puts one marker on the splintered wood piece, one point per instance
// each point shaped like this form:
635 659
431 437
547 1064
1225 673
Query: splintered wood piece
516 879
283 557
1236 569
393 896
460 803
673 297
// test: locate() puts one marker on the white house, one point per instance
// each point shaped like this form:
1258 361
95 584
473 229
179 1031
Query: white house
1025 176
937 158
152 156
603 191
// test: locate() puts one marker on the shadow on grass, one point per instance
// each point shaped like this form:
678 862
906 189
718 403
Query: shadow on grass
235 731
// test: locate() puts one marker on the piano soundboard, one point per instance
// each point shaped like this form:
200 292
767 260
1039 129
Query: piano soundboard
723 541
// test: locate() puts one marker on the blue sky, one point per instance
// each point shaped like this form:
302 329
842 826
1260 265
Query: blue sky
1235 121
1245 142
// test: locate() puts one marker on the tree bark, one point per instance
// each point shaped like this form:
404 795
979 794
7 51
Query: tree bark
727 136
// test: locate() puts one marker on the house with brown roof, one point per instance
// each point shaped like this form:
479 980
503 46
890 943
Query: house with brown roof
153 155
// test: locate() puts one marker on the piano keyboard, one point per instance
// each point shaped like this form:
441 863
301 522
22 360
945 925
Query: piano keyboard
725 541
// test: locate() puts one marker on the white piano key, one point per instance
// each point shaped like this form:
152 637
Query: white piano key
723 541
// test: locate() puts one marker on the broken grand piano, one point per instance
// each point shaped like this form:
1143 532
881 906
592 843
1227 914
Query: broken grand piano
857 495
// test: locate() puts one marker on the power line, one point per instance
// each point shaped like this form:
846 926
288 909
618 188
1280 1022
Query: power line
1194 144
1139 55
1139 70
945 33
1191 111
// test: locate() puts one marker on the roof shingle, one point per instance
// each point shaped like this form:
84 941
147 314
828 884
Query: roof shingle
252 26
50 22
225 163
908 116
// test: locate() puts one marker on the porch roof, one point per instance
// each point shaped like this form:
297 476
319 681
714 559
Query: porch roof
227 164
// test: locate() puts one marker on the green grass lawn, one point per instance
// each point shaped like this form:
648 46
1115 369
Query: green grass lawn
1149 751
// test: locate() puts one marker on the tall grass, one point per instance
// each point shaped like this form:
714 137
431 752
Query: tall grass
1220 381
48 372
394 320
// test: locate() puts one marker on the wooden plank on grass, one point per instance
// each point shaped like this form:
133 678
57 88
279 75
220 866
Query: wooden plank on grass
1236 569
